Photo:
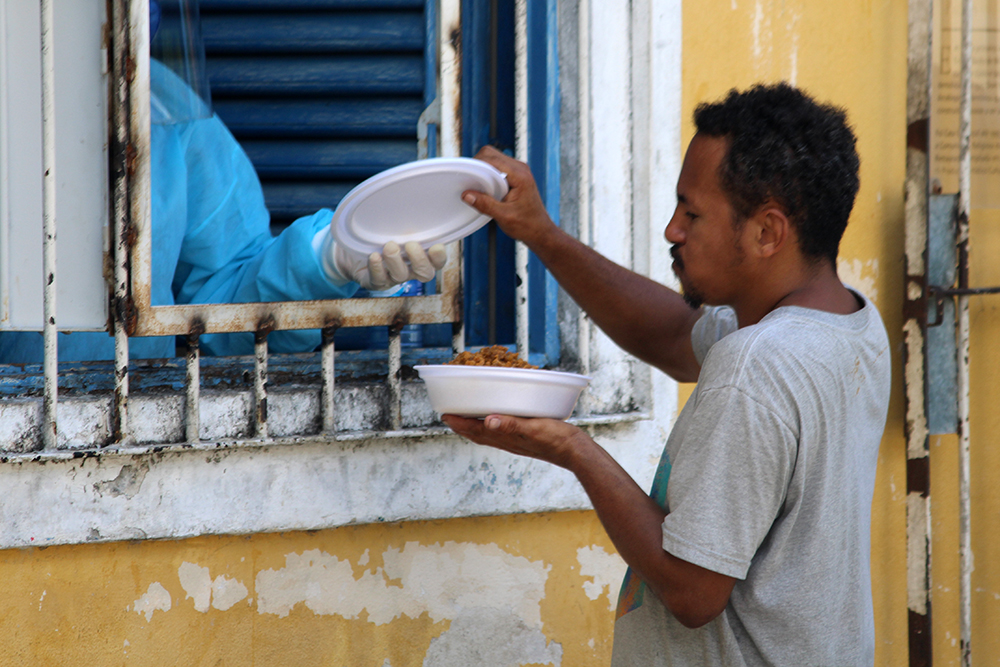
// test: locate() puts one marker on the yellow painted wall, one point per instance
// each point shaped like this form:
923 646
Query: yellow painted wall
98 605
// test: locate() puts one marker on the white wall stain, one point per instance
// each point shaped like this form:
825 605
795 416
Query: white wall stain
860 275
41 599
439 580
221 592
793 27
156 598
605 571
491 638
475 587
197 583
756 28
226 592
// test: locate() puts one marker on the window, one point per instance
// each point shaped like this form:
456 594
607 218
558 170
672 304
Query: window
208 433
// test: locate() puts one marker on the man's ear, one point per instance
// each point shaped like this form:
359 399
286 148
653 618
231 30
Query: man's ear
773 230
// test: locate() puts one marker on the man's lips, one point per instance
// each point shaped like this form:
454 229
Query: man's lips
675 253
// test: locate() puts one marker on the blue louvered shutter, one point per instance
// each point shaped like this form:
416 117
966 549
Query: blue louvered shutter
320 93
325 93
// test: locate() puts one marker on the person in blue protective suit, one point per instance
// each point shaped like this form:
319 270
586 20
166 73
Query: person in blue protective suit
212 241
225 252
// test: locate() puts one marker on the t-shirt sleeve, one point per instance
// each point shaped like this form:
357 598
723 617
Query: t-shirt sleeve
714 324
729 483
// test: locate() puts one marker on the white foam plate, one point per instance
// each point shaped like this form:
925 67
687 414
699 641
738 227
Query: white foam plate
418 201
477 391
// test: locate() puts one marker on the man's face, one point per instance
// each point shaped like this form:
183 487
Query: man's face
706 242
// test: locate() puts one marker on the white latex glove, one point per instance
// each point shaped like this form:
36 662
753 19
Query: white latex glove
378 271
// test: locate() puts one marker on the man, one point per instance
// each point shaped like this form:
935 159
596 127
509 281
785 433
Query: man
757 551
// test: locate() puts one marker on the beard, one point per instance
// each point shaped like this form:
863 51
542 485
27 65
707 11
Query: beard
692 297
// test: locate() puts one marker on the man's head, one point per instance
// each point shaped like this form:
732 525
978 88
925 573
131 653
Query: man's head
786 148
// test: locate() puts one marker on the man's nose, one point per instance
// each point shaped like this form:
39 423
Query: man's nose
674 232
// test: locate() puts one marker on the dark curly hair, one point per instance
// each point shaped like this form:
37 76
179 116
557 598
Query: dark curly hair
783 145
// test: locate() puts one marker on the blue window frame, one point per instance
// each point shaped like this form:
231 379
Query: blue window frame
488 118
325 93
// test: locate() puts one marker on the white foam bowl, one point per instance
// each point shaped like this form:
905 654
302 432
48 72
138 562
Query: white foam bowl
477 391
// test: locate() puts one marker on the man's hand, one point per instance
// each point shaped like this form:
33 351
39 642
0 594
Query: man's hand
548 440
522 213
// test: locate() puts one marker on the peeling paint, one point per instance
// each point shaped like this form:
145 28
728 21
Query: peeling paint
605 570
509 642
862 276
197 583
916 418
227 592
442 581
156 598
917 539
127 483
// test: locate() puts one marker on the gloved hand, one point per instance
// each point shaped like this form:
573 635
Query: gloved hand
378 271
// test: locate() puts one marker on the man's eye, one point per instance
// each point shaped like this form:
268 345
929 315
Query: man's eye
691 216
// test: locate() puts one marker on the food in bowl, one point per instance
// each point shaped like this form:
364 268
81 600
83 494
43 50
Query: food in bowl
493 355
477 391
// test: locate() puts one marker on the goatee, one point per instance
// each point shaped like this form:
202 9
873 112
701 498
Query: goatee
693 299
691 296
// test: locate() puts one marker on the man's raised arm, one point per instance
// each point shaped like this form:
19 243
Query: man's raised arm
643 317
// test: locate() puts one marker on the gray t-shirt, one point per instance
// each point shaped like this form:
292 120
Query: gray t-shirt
771 471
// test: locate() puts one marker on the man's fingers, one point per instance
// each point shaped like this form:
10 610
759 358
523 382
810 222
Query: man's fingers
394 263
501 161
482 202
420 263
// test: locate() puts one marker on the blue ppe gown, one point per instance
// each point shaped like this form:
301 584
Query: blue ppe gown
211 239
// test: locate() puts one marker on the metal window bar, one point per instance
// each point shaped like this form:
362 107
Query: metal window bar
522 146
964 208
133 313
50 402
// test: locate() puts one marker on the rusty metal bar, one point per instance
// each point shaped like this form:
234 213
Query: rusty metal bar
260 381
964 209
120 141
192 386
522 147
449 279
231 317
395 377
917 190
50 365
936 291
327 408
